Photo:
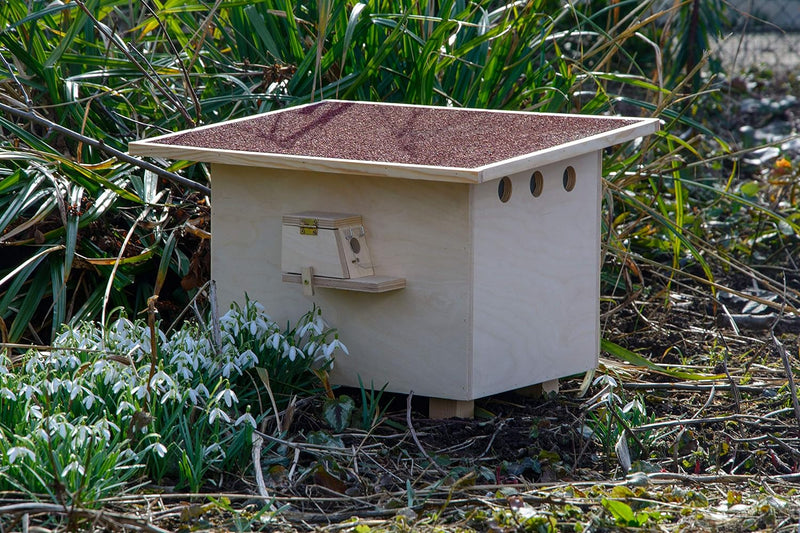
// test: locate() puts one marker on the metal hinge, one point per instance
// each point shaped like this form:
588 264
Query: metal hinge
308 226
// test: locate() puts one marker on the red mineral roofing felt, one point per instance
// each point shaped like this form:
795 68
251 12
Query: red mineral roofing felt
435 136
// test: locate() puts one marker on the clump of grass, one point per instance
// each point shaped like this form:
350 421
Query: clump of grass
92 414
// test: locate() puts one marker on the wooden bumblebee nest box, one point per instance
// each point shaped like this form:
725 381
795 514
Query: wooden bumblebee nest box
457 251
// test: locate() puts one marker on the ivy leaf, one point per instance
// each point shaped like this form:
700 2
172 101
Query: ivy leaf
337 412
750 188
621 511
325 479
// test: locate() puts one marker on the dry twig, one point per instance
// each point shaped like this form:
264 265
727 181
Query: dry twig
416 439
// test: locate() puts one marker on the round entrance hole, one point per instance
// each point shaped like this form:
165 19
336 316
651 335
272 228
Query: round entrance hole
355 245
504 189
537 184
569 179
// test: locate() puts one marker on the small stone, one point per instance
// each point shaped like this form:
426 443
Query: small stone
750 105
762 156
637 479
407 513
791 147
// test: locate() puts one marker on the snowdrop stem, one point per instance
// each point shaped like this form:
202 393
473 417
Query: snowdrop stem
151 322
216 333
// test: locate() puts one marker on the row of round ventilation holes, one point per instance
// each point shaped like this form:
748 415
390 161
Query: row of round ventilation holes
537 184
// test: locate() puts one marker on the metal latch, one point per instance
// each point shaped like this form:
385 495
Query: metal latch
349 233
308 226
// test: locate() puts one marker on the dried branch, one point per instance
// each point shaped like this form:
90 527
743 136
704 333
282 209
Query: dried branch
416 439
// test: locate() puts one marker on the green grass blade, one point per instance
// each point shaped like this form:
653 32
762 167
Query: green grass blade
635 359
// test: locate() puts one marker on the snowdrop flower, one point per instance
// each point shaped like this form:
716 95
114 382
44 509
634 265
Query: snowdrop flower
29 391
291 351
104 428
73 466
127 455
228 396
218 413
201 389
172 394
34 411
185 372
245 418
125 406
226 369
193 396
20 451
312 348
263 323
216 449
330 347
51 387
121 327
140 392
229 321
99 368
118 386
89 400
246 359
305 329
115 376
188 342
72 388
157 448
59 429
177 357
275 340
71 360
161 377
7 394
80 434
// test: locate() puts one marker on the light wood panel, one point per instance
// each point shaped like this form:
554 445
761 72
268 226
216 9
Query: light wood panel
372 284
322 219
321 251
417 338
305 163
536 278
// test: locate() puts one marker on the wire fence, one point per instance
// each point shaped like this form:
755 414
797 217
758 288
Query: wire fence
765 34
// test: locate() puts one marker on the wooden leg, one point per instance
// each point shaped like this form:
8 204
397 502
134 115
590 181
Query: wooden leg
550 387
539 390
439 408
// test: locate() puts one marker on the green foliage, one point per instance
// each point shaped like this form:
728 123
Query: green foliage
625 516
371 411
337 412
118 71
81 421
611 419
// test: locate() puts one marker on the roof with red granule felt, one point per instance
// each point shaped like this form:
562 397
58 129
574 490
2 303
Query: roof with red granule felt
379 133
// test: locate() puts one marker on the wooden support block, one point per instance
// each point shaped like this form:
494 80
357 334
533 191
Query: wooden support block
539 390
307 280
550 387
439 408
